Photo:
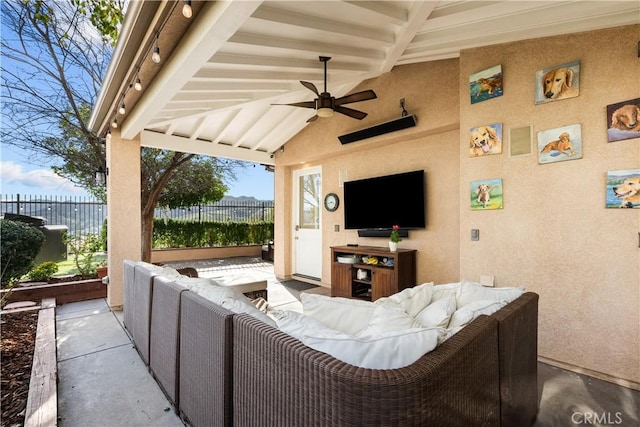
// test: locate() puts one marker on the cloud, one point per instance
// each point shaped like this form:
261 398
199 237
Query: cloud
42 180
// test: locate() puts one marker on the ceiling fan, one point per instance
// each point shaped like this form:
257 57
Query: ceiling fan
325 104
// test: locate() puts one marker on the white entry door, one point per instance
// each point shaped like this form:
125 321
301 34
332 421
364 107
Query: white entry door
307 233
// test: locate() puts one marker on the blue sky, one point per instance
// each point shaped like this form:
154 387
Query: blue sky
18 176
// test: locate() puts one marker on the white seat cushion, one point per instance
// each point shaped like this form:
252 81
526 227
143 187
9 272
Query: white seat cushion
342 314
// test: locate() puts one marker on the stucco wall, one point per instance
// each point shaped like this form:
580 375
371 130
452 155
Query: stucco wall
432 146
553 235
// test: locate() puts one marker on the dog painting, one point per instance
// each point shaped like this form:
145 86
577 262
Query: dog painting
486 194
558 83
485 140
486 84
623 189
560 144
623 120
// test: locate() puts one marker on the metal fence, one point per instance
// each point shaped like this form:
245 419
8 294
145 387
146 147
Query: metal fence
85 215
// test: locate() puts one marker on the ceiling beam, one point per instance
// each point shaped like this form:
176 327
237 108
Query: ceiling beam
206 148
212 27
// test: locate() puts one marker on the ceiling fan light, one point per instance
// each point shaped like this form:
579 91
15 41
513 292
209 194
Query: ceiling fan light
324 112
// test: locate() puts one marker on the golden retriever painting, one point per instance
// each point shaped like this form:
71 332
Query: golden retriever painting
486 84
485 140
562 144
624 120
556 145
557 83
623 189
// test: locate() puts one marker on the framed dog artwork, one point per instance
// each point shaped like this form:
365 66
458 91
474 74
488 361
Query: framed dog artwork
486 195
558 82
486 84
623 120
485 140
623 189
560 144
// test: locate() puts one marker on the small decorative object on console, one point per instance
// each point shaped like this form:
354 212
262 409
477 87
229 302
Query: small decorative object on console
348 259
394 239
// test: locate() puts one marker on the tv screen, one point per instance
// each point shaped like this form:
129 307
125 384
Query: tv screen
385 201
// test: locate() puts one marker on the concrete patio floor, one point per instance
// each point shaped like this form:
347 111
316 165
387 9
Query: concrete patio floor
103 382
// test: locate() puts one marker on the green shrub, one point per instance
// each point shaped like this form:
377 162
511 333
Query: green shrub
193 234
20 244
43 271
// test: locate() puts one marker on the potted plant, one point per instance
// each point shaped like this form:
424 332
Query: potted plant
101 270
394 239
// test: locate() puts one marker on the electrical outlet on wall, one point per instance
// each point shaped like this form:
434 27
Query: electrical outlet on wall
486 280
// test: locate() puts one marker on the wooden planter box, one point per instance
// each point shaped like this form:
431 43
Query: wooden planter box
64 293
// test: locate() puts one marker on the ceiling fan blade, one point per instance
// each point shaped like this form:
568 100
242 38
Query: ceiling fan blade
365 95
311 87
305 104
312 119
350 112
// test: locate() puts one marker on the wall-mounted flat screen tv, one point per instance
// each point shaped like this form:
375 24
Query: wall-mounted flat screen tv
384 201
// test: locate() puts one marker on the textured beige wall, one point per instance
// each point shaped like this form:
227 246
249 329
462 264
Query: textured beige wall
123 212
554 235
432 146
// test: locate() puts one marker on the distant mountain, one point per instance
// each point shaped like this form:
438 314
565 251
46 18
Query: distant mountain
242 199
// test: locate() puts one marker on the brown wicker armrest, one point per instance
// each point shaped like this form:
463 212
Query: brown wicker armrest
518 344
281 382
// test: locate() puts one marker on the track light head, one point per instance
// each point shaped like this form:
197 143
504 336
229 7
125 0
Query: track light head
155 57
187 12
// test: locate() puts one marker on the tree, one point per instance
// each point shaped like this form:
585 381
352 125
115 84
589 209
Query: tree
53 63
200 182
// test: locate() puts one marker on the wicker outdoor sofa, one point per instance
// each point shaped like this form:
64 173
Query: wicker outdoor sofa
220 368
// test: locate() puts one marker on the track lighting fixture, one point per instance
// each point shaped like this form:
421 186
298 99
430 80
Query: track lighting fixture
122 109
114 123
108 137
187 12
156 54
155 57
138 84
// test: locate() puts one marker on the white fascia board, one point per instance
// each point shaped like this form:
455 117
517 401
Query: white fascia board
214 25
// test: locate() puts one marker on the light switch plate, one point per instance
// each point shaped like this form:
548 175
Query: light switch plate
475 234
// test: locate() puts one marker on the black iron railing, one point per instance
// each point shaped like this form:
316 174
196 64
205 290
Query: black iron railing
84 215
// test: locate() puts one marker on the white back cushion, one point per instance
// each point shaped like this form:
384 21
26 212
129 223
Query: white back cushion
412 300
438 313
471 292
465 315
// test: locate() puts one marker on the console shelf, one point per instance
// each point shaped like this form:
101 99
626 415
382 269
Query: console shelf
372 281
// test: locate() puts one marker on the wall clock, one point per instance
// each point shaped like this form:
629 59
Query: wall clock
331 202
